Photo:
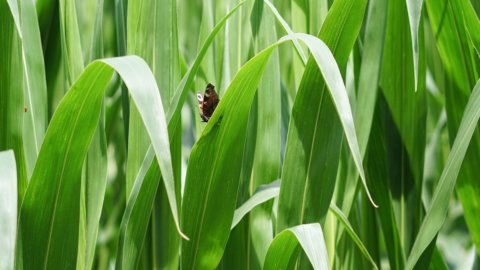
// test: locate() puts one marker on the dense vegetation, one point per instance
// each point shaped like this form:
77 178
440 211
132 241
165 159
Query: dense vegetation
346 136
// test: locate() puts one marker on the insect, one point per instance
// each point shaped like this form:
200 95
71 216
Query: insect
207 102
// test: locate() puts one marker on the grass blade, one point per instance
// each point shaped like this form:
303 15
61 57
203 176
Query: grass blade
304 165
211 189
49 220
210 192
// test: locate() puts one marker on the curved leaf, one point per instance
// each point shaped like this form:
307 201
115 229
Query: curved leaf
133 229
215 161
285 244
50 211
312 154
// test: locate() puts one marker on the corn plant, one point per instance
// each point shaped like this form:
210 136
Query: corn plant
239 134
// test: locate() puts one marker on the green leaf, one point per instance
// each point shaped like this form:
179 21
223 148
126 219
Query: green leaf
284 246
8 209
35 90
214 166
437 211
50 213
308 173
208 206
138 226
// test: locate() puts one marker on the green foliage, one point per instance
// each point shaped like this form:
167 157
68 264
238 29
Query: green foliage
347 134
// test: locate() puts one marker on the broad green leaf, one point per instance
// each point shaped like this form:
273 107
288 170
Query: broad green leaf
211 188
208 206
437 211
285 245
134 239
72 61
50 212
141 224
308 173
8 209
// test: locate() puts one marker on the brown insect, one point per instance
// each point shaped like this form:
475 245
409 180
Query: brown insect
207 102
